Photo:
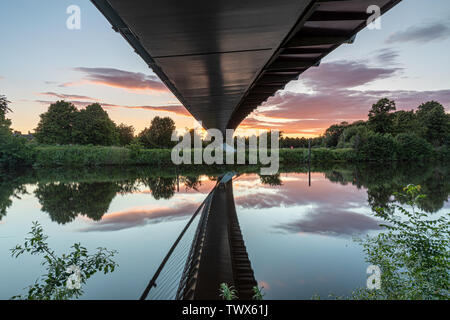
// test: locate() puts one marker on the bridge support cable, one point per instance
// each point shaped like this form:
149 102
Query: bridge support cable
169 258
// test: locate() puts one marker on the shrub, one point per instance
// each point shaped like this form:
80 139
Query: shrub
412 147
377 147
80 156
14 151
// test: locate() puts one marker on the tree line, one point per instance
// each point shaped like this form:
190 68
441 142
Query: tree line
408 133
64 124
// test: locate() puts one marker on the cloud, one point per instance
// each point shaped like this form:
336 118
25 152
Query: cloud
120 79
141 216
332 222
328 208
344 74
175 109
67 96
78 101
387 55
333 98
422 34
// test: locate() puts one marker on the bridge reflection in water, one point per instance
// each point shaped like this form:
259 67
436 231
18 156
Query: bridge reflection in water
217 254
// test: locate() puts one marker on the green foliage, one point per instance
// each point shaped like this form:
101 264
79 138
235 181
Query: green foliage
78 156
352 135
377 147
333 133
159 135
125 134
92 125
55 126
66 201
53 285
412 147
434 122
14 151
413 253
227 292
380 118
318 155
4 109
63 124
271 180
405 122
258 294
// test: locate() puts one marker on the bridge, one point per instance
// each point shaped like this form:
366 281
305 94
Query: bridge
222 59
217 254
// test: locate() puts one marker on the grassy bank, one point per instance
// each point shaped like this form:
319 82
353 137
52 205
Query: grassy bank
80 156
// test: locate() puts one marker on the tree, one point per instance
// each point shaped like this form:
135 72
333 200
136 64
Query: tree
380 118
333 133
161 187
13 150
56 125
377 147
159 135
412 252
353 134
125 134
4 109
65 201
405 122
93 126
412 147
434 122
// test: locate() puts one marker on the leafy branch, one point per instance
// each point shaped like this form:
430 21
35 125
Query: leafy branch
54 284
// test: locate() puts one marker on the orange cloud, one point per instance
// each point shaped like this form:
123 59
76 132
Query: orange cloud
121 79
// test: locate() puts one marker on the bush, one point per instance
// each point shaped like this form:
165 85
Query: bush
74 156
15 152
377 147
412 147
294 156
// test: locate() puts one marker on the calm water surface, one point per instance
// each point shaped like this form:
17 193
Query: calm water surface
299 238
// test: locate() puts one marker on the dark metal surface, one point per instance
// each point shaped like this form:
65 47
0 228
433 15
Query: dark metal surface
218 253
223 58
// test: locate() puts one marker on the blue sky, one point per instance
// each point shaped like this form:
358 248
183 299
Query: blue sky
43 61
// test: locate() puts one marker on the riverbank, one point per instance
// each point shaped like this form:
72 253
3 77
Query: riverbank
79 156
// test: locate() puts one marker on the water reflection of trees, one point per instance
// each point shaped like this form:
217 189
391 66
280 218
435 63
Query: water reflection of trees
161 187
10 187
65 194
271 180
382 181
192 182
65 201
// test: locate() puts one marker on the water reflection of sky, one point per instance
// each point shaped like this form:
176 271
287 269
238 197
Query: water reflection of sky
299 238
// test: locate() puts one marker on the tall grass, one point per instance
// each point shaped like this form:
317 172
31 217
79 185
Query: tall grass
85 156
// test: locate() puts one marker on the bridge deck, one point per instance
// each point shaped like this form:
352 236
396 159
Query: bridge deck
223 58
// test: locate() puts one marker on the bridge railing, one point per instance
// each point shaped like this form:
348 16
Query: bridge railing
166 281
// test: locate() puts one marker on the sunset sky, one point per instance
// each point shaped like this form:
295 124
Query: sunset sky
41 61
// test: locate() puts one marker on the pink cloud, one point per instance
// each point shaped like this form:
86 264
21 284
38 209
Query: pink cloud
121 79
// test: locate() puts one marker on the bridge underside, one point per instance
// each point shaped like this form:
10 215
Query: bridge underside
223 58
